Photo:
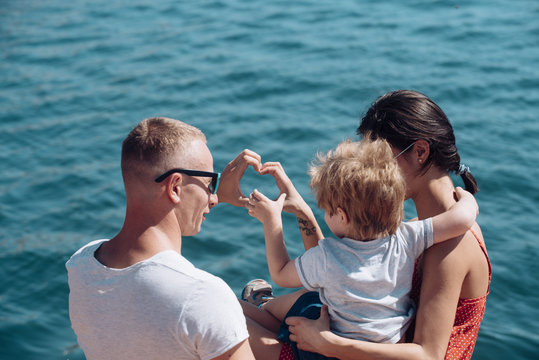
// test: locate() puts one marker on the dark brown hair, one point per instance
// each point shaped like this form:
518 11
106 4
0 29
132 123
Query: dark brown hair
404 116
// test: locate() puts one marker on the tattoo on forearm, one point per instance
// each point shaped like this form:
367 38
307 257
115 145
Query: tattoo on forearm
306 227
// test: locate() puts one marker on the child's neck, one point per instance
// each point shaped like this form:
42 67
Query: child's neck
357 238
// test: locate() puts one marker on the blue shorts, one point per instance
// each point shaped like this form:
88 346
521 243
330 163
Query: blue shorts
307 305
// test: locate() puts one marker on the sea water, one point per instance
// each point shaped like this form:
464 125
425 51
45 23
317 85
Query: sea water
284 78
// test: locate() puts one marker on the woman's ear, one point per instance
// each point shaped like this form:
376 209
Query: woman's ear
343 216
174 187
421 150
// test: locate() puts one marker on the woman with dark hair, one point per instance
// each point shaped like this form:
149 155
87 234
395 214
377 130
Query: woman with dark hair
452 279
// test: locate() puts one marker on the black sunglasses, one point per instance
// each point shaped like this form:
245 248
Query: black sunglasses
214 177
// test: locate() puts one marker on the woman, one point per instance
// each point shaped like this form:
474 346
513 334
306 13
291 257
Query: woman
454 277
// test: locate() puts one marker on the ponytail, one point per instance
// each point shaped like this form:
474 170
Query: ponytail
404 116
469 181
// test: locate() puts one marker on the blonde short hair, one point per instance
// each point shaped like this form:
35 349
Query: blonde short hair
154 142
363 179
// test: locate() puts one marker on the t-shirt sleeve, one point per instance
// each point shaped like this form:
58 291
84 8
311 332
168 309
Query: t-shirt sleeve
417 235
213 321
311 267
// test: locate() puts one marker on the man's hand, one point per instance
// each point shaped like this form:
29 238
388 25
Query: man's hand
229 189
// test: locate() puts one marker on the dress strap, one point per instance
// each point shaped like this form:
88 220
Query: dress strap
484 249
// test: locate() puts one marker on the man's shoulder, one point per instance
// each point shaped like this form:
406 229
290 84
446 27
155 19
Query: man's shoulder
173 271
84 252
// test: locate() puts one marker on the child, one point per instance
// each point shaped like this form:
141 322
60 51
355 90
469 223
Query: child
364 277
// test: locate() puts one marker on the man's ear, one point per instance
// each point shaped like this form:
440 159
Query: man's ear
343 216
422 150
174 187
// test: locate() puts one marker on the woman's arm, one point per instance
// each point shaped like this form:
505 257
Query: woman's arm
315 336
295 204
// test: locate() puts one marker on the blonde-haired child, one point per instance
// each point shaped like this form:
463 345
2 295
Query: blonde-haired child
364 276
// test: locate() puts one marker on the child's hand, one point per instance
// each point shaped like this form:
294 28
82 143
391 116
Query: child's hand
464 196
264 209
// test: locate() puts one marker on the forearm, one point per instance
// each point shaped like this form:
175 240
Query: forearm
452 223
276 253
350 349
308 227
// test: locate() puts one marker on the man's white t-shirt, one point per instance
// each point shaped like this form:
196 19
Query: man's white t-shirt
366 284
160 308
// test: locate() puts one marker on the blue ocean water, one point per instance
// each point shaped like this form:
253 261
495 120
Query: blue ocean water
285 79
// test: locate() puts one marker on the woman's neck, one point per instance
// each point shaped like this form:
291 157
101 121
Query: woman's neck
435 195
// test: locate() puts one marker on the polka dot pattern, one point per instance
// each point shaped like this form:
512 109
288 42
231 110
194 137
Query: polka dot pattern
286 352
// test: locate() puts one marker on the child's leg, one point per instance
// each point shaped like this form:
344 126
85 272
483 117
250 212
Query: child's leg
271 314
279 306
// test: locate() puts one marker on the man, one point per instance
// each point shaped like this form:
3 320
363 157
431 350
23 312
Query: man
134 296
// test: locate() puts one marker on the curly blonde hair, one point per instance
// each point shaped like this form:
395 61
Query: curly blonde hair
364 180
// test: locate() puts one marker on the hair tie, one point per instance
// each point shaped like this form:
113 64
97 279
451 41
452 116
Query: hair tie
463 169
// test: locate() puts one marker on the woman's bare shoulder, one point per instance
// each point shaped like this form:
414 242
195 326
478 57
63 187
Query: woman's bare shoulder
461 259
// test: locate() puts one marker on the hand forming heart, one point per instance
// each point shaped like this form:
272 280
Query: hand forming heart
229 189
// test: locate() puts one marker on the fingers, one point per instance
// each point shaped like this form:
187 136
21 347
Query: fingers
276 170
257 196
250 204
292 320
271 168
245 158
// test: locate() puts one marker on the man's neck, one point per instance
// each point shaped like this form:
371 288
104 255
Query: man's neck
137 242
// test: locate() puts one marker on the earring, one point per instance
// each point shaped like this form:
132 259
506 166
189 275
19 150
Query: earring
421 161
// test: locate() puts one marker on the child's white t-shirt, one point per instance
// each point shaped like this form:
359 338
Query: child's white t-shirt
366 284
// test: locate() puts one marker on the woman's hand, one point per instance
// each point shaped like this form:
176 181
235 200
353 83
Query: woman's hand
229 189
294 203
311 335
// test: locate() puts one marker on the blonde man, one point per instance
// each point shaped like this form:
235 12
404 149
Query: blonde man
364 276
135 296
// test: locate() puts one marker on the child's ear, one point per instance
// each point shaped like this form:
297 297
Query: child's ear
343 216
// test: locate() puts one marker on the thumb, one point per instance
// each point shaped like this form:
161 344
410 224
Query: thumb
281 198
258 195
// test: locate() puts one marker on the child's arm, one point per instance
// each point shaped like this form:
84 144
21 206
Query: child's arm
295 204
282 269
458 219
